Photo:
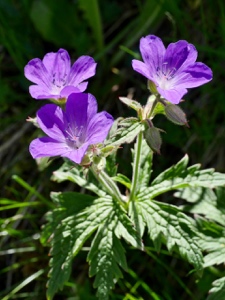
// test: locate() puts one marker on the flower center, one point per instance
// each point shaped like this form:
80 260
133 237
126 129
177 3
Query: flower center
165 74
60 81
74 136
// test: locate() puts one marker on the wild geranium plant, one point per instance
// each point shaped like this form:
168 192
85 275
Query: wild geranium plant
117 209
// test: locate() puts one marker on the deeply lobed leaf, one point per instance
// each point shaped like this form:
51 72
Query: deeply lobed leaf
75 174
167 222
71 227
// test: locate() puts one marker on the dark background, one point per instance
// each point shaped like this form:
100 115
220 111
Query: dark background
109 31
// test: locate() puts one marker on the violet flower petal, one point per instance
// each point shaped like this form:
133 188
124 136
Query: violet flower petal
77 154
152 51
58 66
179 55
51 119
194 76
82 86
54 74
99 127
80 108
71 132
83 68
66 91
47 147
172 95
142 68
39 92
172 70
36 72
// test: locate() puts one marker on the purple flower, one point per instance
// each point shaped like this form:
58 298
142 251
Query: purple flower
55 78
172 70
70 132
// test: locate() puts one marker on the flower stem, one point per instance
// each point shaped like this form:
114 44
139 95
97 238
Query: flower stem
136 166
109 185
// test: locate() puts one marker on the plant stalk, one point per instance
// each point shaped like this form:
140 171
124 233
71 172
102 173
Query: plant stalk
109 185
136 167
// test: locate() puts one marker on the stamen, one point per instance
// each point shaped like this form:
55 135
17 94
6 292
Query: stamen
74 135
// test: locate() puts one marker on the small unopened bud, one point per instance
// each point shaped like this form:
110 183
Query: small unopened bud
107 150
175 114
153 139
86 162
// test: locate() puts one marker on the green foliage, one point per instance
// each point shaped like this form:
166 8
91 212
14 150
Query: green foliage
218 290
177 229
75 174
127 131
75 219
206 202
78 216
178 177
110 31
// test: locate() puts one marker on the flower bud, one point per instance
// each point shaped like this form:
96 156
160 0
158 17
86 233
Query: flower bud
86 162
175 114
153 139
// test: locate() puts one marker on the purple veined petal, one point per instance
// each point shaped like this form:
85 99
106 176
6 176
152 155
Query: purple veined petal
82 86
80 108
92 107
77 155
83 68
38 92
51 119
76 110
178 55
172 95
152 51
58 66
47 147
142 68
66 91
194 76
99 127
36 72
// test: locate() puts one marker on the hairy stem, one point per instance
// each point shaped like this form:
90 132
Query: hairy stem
110 186
136 166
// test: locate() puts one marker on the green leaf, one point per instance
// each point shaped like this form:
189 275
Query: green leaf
212 241
131 103
105 257
56 32
123 180
127 132
125 227
136 217
174 171
216 249
107 253
205 202
167 222
72 224
93 16
75 174
179 177
218 290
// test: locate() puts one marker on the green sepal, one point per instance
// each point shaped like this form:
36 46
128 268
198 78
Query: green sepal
131 103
